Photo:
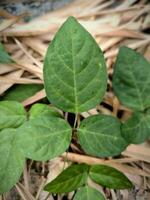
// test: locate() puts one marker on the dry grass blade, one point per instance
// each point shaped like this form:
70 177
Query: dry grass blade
91 160
6 68
6 23
21 64
134 45
19 80
27 53
26 195
15 75
38 96
138 152
36 45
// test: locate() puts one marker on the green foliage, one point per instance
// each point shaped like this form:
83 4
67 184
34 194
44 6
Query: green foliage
75 80
44 137
70 179
21 92
131 79
137 128
11 159
40 110
74 69
76 176
132 87
109 177
12 114
4 56
100 136
88 193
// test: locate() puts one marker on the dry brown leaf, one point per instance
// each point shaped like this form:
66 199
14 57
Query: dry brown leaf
6 23
14 75
38 96
138 152
91 160
5 68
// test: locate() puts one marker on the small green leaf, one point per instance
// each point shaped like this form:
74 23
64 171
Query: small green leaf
100 136
11 160
44 137
21 92
40 110
70 179
131 79
4 56
75 74
12 114
137 128
109 177
88 193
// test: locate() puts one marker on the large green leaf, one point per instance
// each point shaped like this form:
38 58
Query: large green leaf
100 135
12 114
40 110
131 79
4 56
44 137
70 179
88 193
109 177
74 69
11 160
137 128
21 92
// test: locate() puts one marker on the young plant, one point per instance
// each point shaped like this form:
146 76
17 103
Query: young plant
75 81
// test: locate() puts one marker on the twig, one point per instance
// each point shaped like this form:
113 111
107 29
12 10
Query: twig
26 178
114 163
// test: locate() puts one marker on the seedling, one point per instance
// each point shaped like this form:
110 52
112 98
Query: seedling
75 81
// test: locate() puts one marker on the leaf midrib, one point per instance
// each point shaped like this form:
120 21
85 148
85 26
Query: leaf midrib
51 134
74 75
80 176
99 134
143 119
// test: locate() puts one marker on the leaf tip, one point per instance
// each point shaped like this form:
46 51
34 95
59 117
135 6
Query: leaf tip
125 49
129 185
71 19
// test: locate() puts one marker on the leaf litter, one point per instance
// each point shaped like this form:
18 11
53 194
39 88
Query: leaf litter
112 24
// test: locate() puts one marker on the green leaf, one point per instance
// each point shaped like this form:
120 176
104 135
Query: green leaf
44 137
100 136
137 128
75 75
131 79
70 179
21 92
40 110
12 114
109 177
11 160
88 193
4 56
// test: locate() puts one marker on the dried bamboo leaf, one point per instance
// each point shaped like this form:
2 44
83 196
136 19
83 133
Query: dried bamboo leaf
91 160
5 68
10 80
4 86
6 23
38 96
138 152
